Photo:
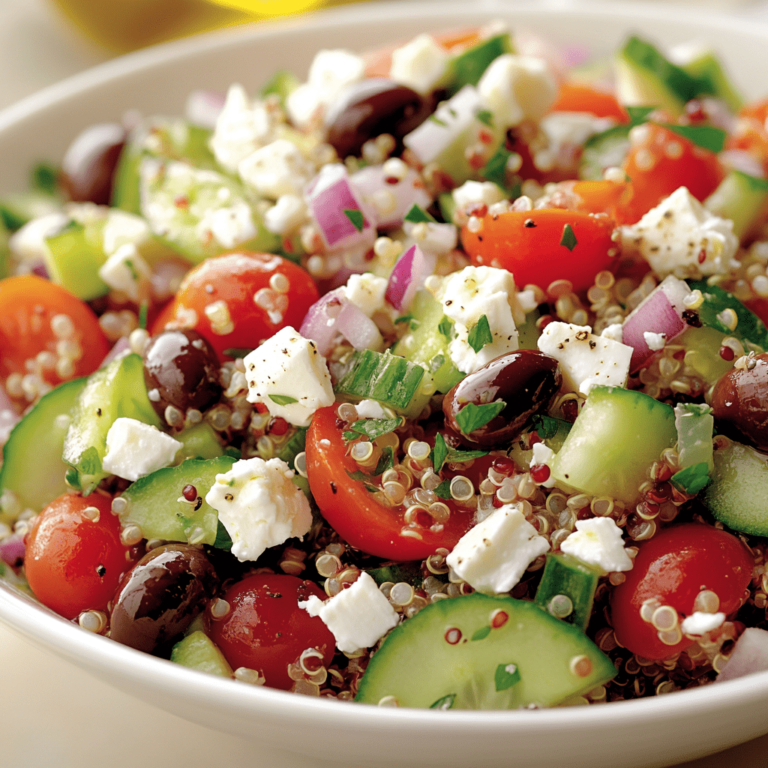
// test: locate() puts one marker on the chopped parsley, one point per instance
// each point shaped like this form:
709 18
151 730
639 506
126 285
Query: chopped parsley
472 417
480 335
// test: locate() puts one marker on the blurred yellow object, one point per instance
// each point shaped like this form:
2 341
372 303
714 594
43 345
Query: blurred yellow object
124 25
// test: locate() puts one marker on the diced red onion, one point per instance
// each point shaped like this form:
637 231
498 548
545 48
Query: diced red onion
319 323
408 275
12 550
357 328
750 654
372 184
40 270
741 160
121 347
204 107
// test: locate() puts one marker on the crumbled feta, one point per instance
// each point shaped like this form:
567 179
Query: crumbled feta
259 506
598 542
542 456
518 88
125 270
655 341
135 449
229 226
242 127
289 376
329 73
121 228
432 237
420 64
28 244
614 332
468 295
371 409
277 169
286 215
699 623
493 555
358 617
473 192
585 360
366 292
680 237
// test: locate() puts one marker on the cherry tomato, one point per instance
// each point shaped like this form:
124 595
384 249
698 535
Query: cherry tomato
602 196
353 510
579 97
540 246
659 161
28 305
235 303
74 558
265 630
672 568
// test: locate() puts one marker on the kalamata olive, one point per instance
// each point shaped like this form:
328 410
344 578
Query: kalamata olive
740 403
89 163
372 107
181 369
526 381
161 596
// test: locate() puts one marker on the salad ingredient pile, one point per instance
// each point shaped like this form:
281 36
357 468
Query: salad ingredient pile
438 379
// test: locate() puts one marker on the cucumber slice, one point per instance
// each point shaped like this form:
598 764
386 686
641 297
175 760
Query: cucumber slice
742 199
198 651
16 210
738 488
154 503
73 258
618 434
467 67
694 424
701 352
567 589
483 652
32 465
702 64
410 573
114 391
200 442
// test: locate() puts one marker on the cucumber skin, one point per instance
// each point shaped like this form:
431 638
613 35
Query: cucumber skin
417 666
198 651
618 434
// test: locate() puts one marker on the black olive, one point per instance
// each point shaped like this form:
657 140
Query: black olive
372 107
157 600
181 369
526 381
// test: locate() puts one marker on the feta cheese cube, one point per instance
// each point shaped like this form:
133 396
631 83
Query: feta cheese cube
259 506
420 64
289 376
286 215
472 192
135 449
432 237
680 237
699 623
585 360
493 556
366 292
126 271
122 228
358 617
229 226
518 88
371 409
598 542
277 169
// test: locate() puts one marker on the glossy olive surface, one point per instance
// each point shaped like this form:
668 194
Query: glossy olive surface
372 107
161 596
526 380
181 369
740 403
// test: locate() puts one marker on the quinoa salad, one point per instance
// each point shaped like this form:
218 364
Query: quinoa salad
436 379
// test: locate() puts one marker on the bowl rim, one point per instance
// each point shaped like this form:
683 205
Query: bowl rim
48 630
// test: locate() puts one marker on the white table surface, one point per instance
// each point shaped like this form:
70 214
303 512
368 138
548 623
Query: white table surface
51 714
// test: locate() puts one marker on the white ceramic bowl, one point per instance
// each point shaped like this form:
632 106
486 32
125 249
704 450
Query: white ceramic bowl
648 732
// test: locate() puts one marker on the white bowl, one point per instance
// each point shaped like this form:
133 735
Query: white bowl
647 732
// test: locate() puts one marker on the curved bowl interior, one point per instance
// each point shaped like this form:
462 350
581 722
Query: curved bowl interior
649 732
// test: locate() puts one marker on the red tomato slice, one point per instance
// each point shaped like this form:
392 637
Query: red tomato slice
353 510
237 287
673 567
541 246
579 97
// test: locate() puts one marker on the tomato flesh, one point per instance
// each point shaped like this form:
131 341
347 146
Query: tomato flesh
672 568
265 630
73 562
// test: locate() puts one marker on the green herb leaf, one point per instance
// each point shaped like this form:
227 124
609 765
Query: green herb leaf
546 426
480 335
355 215
72 479
443 491
472 417
506 676
282 399
445 328
495 169
293 447
387 461
45 178
436 363
373 428
638 115
143 310
482 633
223 539
705 136
417 215
235 453
435 119
439 452
485 117
235 352
404 319
693 479
445 702
569 238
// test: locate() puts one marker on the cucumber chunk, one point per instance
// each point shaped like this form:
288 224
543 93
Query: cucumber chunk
467 67
738 488
198 651
742 199
157 507
618 434
483 652
567 589
32 466
199 442
702 64
112 392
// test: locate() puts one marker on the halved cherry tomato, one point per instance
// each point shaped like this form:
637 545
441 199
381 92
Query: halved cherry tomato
29 303
659 161
541 246
672 568
74 558
218 299
265 630
602 196
579 97
352 509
